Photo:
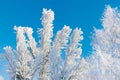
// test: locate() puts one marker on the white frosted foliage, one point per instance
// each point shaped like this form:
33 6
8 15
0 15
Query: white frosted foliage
59 56
106 43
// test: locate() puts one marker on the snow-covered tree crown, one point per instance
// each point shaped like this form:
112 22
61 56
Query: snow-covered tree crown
29 58
44 58
106 43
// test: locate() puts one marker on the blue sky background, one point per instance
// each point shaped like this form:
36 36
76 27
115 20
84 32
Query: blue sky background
75 13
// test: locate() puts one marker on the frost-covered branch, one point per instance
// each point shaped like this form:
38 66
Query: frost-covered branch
60 42
47 31
73 53
45 43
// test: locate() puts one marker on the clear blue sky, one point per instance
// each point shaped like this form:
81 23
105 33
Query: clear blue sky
75 13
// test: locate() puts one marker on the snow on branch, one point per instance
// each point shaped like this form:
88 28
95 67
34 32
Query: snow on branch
30 58
47 31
